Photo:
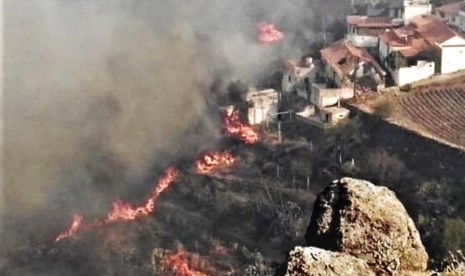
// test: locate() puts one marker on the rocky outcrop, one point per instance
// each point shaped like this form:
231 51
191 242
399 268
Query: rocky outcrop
355 217
319 262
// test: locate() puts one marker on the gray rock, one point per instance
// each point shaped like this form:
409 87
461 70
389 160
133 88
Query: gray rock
367 221
319 262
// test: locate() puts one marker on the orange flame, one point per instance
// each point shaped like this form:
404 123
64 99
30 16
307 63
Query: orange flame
214 160
269 34
179 264
233 126
122 211
75 224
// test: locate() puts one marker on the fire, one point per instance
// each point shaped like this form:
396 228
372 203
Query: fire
233 126
178 262
269 34
122 211
214 160
75 224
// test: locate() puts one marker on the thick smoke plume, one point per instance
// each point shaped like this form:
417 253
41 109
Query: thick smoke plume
97 92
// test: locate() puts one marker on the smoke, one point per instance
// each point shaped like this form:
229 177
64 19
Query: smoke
96 92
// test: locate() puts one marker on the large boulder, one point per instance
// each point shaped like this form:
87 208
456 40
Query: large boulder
314 261
366 221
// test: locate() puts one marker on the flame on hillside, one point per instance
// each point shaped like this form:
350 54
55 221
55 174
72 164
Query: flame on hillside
234 126
214 160
75 226
179 263
122 211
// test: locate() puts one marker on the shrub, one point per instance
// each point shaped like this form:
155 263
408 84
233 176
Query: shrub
454 234
406 88
384 167
383 108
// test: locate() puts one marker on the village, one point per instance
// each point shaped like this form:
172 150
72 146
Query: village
388 46
226 137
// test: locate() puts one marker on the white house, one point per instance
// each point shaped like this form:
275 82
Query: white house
345 63
448 44
406 56
263 106
413 8
333 115
297 76
323 96
419 50
450 13
364 31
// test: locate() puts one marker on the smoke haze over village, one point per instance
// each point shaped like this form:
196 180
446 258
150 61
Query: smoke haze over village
94 89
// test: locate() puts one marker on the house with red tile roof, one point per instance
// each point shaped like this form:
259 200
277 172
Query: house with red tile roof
364 31
345 64
448 44
450 13
420 49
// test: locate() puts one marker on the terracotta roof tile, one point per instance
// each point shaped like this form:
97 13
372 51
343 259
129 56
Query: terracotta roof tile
436 32
366 21
452 8
342 57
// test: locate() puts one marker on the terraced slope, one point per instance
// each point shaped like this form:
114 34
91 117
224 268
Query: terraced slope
437 113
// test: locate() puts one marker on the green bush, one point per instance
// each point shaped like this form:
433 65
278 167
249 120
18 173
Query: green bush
454 234
383 109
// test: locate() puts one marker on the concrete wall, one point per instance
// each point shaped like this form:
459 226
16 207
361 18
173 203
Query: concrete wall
330 74
263 106
411 10
453 56
323 97
462 20
383 52
262 114
289 83
334 117
363 40
406 75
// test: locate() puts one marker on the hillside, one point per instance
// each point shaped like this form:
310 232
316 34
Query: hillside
436 113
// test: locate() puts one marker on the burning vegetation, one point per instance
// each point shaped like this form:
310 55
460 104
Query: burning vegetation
207 163
121 211
233 126
179 263
269 34
212 161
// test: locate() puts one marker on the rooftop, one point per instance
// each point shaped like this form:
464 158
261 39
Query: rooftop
262 95
405 41
343 57
436 32
299 68
420 34
451 9
370 22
